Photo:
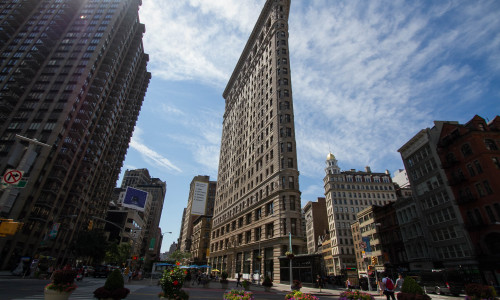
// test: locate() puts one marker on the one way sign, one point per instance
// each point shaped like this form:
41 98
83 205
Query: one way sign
12 176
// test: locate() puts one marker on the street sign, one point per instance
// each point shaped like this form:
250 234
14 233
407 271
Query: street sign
12 176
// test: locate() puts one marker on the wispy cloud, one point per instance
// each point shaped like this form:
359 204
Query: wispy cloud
366 75
150 156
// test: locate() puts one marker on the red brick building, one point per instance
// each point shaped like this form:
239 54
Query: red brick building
470 154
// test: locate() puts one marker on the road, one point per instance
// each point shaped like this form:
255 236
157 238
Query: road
32 289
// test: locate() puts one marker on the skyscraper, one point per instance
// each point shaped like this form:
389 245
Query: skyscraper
73 76
258 200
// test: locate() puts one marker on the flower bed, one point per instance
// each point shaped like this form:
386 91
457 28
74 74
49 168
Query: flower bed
238 294
355 295
298 295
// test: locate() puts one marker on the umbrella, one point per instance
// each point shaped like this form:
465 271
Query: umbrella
204 266
215 270
193 266
184 267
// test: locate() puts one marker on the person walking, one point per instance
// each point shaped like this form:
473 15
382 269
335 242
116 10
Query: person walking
388 287
238 280
348 284
399 283
319 282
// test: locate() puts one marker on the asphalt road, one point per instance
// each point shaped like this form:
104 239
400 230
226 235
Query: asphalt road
32 289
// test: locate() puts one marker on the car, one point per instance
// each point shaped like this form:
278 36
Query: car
101 271
442 282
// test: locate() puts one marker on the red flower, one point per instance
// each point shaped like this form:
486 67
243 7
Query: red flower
176 282
185 272
178 263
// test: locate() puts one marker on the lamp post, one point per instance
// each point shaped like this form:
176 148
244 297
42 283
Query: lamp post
290 249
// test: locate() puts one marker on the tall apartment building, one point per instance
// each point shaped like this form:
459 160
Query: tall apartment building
470 155
347 193
140 179
200 203
72 76
431 225
316 222
258 200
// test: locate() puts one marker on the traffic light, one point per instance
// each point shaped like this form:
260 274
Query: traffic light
9 227
374 260
370 268
91 224
134 257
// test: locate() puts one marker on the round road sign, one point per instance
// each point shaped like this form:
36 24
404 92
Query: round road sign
12 176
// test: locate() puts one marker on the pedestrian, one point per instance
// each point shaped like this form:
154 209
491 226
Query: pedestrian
388 287
399 282
238 280
348 284
319 282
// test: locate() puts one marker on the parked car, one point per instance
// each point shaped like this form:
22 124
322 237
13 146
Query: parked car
442 282
101 271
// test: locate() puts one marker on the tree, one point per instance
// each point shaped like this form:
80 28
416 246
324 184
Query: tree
117 254
90 245
178 255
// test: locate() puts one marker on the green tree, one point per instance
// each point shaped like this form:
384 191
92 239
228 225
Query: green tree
178 255
90 245
117 254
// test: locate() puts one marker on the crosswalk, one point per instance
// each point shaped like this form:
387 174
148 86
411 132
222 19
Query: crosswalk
81 293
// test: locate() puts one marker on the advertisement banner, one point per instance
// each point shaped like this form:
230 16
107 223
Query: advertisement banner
199 198
135 199
54 230
366 241
152 244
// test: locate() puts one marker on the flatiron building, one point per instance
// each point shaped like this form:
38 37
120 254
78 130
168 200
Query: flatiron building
72 76
257 206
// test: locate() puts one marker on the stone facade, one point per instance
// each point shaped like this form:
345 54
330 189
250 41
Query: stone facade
258 200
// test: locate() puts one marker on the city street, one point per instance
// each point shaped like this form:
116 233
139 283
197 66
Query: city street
12 288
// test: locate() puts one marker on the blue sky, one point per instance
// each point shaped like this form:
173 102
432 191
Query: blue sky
366 77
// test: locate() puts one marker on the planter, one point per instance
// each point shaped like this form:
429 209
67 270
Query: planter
56 295
408 296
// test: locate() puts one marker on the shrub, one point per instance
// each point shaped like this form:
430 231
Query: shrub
113 287
267 281
171 283
245 283
355 295
410 286
296 284
476 291
223 275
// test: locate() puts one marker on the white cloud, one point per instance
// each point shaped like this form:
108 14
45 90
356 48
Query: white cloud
366 75
150 156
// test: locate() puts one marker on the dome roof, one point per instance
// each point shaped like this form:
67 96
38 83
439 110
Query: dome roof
330 156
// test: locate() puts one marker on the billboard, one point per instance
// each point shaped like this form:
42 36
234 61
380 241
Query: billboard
135 199
199 198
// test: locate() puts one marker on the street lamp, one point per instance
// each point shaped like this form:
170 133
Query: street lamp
291 273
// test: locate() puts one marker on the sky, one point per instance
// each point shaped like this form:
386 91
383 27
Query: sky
366 77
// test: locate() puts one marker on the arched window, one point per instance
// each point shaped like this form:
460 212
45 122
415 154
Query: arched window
466 150
490 144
